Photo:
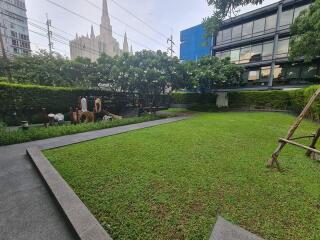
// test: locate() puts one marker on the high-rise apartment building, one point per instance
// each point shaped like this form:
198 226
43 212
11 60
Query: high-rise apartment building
14 27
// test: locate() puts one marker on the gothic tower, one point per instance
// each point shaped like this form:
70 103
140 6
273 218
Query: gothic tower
91 46
106 31
125 44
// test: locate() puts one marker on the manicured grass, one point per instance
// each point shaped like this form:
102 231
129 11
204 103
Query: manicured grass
38 133
171 181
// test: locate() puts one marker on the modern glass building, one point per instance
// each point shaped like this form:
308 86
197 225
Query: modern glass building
259 40
14 27
194 44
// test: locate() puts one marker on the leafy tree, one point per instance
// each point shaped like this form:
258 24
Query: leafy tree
222 9
212 73
306 34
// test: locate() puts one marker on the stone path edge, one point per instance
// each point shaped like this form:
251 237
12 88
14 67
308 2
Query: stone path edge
82 221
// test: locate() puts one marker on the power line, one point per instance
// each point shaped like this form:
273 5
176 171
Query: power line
95 23
133 28
139 19
65 41
86 49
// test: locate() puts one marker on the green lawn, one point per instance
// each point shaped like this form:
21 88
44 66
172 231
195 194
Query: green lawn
171 181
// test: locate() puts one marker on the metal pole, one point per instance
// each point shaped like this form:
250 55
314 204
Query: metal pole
275 46
170 40
49 35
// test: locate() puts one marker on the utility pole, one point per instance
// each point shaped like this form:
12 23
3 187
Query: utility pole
4 55
49 35
275 45
170 49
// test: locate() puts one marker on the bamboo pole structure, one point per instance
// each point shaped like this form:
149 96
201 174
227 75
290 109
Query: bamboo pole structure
284 141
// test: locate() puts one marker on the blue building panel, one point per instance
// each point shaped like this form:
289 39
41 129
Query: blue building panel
193 44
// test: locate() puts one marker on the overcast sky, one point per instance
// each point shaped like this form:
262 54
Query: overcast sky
166 16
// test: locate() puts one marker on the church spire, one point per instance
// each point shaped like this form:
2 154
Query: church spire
125 44
105 19
105 6
92 32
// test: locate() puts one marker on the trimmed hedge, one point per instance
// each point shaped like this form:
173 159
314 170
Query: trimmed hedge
25 102
293 100
195 101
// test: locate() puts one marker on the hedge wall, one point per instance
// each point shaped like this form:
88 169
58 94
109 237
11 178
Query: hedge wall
25 102
294 100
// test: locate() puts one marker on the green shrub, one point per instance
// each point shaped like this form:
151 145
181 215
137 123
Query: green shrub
192 98
3 79
38 133
2 126
279 100
294 100
300 98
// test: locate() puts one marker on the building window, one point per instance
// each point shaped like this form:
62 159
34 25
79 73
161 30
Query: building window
283 48
265 73
236 32
15 50
219 37
245 54
286 18
292 72
267 51
247 30
254 75
227 35
309 71
15 42
235 55
298 10
256 53
225 54
271 23
14 34
277 72
258 26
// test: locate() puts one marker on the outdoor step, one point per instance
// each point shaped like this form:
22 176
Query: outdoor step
224 230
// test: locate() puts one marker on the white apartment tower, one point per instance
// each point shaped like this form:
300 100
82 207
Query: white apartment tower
92 46
14 27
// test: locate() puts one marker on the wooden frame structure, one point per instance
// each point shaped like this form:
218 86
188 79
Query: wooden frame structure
312 151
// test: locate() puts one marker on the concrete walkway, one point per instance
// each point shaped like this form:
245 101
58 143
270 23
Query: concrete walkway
27 210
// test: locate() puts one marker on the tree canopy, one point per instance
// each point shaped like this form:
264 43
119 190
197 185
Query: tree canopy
222 9
306 34
147 73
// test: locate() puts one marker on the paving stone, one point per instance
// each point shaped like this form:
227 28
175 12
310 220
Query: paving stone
224 230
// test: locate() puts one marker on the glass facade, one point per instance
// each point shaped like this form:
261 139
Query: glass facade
247 30
260 51
283 48
267 51
256 52
271 23
259 26
283 74
286 19
236 32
